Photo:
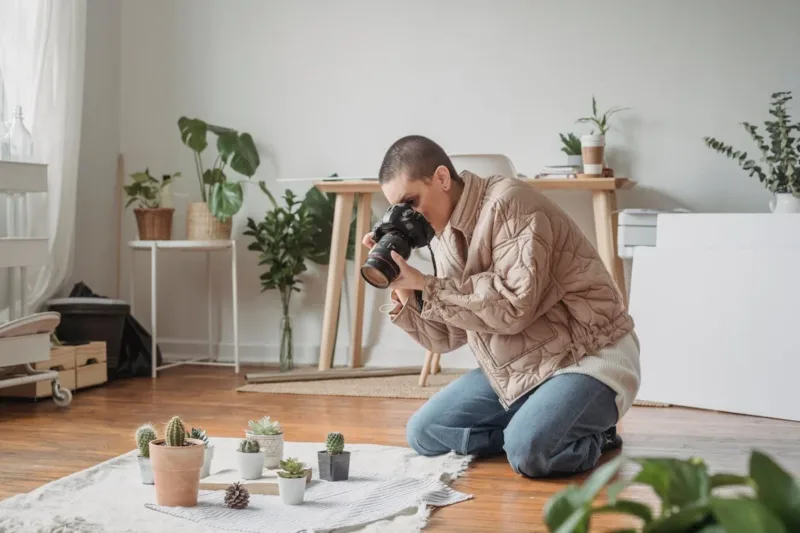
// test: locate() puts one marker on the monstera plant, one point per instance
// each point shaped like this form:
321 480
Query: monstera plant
235 151
766 500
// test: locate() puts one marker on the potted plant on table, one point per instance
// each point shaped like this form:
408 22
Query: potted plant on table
144 435
292 481
284 240
571 147
593 145
781 155
222 198
269 435
153 220
208 453
334 462
250 458
177 461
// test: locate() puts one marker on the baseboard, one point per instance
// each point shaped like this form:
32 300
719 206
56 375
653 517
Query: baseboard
174 350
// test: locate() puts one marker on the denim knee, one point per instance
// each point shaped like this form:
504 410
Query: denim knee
528 457
418 437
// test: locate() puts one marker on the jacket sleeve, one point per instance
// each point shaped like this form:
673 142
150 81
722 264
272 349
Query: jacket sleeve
506 299
434 336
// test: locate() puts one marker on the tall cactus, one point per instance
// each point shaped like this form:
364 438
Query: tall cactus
144 435
175 434
335 443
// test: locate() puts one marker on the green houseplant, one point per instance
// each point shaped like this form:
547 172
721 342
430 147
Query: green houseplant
292 481
766 500
780 155
221 197
593 145
269 435
144 435
153 219
571 146
177 461
250 458
334 461
285 239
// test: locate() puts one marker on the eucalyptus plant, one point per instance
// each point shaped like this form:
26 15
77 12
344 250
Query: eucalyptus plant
284 239
780 155
223 197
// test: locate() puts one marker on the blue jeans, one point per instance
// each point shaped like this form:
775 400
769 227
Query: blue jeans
557 429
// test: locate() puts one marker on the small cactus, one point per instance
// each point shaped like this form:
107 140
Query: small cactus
335 443
175 434
144 435
249 446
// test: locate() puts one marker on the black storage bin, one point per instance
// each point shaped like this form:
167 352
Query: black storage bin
93 319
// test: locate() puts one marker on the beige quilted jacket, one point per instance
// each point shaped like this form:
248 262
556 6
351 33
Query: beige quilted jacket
519 282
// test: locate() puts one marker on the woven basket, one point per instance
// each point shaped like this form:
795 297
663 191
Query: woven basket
201 225
154 224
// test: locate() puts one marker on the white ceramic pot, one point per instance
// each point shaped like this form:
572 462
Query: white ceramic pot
593 154
251 465
208 456
271 445
575 160
785 203
146 470
292 490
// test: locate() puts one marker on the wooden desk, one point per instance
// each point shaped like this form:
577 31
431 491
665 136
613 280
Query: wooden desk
604 201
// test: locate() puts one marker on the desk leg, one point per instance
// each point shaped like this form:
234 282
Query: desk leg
153 307
341 226
235 302
605 221
363 219
209 304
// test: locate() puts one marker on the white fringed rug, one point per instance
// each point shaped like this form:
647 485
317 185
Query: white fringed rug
390 489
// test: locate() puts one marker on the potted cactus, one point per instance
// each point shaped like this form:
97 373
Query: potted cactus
144 435
177 461
334 462
269 435
292 481
208 452
250 458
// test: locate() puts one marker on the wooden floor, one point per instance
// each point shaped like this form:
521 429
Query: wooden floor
40 442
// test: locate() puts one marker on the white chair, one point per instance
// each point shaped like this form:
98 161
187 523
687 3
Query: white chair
483 165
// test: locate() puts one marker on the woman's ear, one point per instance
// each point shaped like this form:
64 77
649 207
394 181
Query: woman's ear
442 176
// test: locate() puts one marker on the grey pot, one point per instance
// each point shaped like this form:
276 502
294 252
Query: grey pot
146 470
333 467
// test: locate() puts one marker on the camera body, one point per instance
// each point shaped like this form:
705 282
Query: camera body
401 229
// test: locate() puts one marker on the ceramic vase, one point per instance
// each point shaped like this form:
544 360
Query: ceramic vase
208 456
593 154
146 470
251 465
292 490
334 467
271 445
785 203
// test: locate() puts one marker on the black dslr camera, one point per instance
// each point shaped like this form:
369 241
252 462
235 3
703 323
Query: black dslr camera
401 229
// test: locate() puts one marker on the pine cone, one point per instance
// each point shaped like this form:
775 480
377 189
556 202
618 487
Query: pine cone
237 496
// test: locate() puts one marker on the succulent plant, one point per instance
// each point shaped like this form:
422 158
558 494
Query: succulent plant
292 468
265 426
144 434
249 446
335 443
199 434
175 433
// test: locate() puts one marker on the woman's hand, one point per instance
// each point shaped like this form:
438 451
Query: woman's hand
410 278
367 240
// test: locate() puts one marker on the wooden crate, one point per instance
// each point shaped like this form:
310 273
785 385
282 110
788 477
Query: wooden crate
62 358
91 366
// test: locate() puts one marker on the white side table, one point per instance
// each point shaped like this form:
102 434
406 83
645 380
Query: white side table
187 246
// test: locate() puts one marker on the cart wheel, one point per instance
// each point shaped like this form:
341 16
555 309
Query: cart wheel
61 397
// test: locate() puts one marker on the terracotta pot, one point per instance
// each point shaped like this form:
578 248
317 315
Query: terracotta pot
201 225
154 224
176 472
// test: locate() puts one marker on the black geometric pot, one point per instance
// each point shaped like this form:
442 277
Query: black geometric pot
333 467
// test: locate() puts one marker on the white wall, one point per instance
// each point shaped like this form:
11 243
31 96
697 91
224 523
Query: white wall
327 86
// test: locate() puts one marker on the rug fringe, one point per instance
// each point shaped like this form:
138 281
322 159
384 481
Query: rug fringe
650 403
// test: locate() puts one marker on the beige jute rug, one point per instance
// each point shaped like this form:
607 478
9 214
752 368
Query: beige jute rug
378 387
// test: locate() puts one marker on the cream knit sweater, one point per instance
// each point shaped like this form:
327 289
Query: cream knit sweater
616 366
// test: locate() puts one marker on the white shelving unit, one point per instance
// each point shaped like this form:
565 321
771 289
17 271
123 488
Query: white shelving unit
25 338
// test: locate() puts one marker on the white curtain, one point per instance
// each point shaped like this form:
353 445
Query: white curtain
42 52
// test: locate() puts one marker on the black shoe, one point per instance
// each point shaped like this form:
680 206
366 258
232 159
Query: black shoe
611 441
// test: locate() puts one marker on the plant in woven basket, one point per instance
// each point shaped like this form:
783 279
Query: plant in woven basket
177 461
144 435
237 496
766 500
333 461
780 155
235 150
153 220
284 240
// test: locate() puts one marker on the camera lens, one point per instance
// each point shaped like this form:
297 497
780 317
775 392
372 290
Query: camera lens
379 270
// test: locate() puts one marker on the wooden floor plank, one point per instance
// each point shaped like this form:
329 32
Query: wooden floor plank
40 442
